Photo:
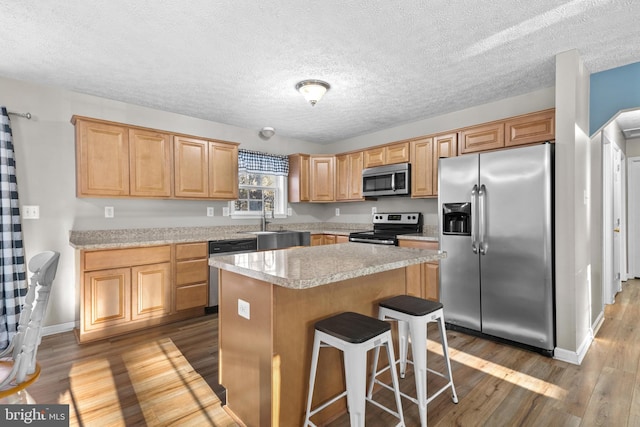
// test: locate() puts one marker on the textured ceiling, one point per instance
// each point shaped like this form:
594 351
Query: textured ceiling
237 62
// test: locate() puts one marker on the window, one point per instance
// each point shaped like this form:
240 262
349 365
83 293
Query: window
262 181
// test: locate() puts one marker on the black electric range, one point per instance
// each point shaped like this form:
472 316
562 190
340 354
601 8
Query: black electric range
387 226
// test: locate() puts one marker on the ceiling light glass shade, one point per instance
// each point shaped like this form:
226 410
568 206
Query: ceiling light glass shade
267 132
312 90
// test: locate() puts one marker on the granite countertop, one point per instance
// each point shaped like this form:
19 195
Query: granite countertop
111 239
307 267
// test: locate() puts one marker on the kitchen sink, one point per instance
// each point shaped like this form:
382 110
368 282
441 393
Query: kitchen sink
281 239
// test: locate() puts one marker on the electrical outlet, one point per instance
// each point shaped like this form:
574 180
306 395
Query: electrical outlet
30 212
109 212
337 211
225 211
289 212
374 210
209 211
244 309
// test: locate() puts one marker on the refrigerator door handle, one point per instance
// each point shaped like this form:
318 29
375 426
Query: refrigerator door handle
474 218
482 219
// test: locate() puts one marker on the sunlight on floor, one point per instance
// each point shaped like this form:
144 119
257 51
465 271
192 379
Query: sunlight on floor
517 378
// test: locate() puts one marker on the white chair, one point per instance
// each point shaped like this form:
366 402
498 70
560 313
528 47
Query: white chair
18 366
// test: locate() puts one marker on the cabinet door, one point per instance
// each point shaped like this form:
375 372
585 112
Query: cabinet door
397 153
374 157
349 176
191 167
356 161
223 171
149 163
342 177
298 180
421 164
482 138
102 161
322 179
106 296
329 239
150 290
530 128
342 239
317 239
443 146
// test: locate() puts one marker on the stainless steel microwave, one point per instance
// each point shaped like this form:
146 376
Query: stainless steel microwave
390 180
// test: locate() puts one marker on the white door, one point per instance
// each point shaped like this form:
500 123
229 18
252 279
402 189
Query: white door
617 220
634 216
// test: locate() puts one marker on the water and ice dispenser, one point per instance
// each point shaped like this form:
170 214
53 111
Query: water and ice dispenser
456 218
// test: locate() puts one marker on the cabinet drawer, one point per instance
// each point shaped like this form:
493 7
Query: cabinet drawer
192 296
420 244
103 259
192 271
192 250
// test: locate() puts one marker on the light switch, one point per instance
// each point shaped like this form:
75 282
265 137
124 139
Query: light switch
337 211
225 211
30 212
108 212
209 211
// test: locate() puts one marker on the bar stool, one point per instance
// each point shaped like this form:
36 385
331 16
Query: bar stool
354 334
412 315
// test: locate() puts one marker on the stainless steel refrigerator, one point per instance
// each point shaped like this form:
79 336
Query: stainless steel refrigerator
496 225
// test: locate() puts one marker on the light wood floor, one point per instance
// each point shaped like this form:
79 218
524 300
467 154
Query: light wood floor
497 385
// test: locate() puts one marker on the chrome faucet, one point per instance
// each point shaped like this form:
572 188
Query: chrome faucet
264 222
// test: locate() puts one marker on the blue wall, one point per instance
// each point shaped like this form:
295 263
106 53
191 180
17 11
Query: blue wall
611 91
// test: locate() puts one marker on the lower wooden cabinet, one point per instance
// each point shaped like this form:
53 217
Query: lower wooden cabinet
423 279
191 287
328 239
123 290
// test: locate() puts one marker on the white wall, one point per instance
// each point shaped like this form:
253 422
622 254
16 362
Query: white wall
573 228
633 147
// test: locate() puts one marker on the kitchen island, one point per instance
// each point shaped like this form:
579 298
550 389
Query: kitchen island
269 303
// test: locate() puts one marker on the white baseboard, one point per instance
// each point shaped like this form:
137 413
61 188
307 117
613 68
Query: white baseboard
574 357
59 328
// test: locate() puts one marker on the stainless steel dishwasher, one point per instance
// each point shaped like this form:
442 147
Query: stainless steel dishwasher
225 247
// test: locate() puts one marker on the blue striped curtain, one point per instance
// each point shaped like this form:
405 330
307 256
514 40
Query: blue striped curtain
13 284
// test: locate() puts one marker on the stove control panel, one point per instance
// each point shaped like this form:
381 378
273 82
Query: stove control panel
398 218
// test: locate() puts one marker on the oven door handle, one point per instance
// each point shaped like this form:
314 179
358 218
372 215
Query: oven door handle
378 242
393 182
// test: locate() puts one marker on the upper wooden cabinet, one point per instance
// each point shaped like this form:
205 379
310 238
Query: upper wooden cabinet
322 180
298 180
223 170
482 138
102 159
444 145
387 154
349 176
530 128
205 169
311 178
191 167
149 163
421 167
118 160
519 130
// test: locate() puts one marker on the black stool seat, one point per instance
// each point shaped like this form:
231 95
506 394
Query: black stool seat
352 327
412 306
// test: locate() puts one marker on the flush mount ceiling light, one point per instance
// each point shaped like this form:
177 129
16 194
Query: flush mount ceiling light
312 90
267 132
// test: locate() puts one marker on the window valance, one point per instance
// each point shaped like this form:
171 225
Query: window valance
257 162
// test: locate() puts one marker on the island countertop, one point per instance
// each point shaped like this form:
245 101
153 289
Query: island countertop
311 266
